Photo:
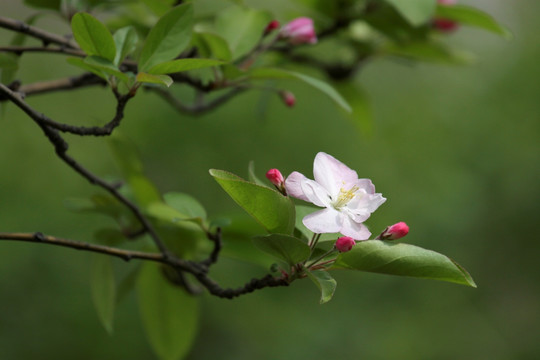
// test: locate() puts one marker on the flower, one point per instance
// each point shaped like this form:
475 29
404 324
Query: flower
299 31
396 231
348 200
345 243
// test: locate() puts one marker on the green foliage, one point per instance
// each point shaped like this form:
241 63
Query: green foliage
417 12
168 313
125 40
242 28
92 36
180 65
401 259
154 79
275 73
103 287
168 38
467 15
325 282
212 45
270 208
283 247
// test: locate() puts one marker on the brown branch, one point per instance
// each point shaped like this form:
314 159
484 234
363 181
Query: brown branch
61 148
198 270
104 130
196 109
19 50
42 87
35 32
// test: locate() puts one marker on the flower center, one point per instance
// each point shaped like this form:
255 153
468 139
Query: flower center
344 197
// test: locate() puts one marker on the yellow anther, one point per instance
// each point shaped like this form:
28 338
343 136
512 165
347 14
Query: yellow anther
344 197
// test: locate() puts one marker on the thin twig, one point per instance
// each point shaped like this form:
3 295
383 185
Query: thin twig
197 109
37 33
188 266
19 50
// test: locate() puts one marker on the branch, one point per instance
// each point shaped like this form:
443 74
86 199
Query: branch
61 148
68 83
104 130
37 33
196 109
188 266
19 50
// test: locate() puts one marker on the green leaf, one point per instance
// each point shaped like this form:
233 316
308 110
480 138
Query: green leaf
212 45
429 51
186 204
92 36
325 282
254 178
104 290
125 40
179 65
273 73
106 66
144 190
44 4
126 154
154 79
168 38
270 208
168 313
467 15
78 62
417 12
284 247
242 28
159 7
404 260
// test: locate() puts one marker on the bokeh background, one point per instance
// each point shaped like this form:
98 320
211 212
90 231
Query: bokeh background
454 149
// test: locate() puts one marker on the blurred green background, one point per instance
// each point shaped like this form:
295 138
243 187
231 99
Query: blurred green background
454 149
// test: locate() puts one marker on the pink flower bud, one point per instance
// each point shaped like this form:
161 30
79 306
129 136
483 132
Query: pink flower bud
395 231
447 2
272 25
275 177
288 98
345 243
299 31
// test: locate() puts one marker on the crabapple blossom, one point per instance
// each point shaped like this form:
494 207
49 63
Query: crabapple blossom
275 177
299 31
348 200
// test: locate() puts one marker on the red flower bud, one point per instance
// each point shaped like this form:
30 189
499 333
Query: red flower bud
275 177
288 98
272 25
395 231
442 24
345 243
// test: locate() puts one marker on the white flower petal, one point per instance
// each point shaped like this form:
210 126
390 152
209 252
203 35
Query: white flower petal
332 174
324 221
367 185
357 231
374 201
294 187
315 193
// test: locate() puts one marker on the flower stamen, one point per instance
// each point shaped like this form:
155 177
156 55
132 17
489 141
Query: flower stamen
344 197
